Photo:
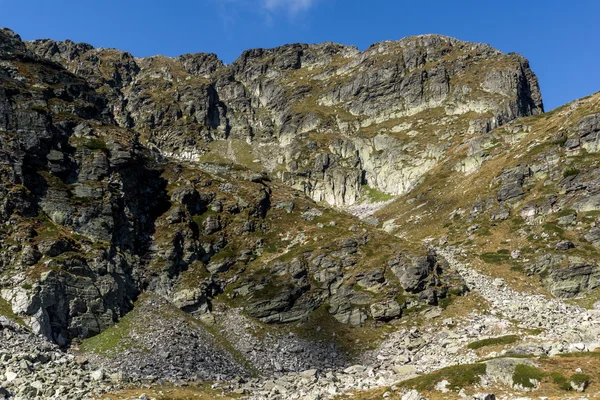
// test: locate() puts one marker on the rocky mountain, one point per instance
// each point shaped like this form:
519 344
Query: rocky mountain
326 119
308 221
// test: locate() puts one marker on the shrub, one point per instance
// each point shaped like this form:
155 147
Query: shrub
571 172
96 144
525 374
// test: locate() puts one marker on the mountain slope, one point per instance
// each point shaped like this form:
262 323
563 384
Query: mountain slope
180 219
95 218
530 208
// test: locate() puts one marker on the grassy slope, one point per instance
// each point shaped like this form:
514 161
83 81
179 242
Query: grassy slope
441 204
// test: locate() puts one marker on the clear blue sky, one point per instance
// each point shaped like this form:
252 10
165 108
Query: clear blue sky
560 38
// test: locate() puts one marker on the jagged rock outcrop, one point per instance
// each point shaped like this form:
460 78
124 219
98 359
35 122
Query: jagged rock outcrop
94 215
326 118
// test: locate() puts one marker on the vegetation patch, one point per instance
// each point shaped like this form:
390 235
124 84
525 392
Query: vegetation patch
374 195
580 379
502 340
571 172
583 354
114 339
96 144
549 226
6 310
494 258
560 380
564 383
525 375
459 376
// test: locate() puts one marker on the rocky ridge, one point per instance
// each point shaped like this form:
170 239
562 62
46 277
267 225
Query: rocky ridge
326 119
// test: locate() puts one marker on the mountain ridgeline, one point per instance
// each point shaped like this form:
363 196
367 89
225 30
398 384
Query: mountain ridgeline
324 119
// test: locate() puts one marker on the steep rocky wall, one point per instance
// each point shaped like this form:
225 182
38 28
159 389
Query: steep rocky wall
92 216
77 199
397 105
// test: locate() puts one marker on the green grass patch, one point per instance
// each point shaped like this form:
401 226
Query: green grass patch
459 376
560 380
549 226
494 258
117 338
96 144
6 310
571 172
374 195
502 340
525 374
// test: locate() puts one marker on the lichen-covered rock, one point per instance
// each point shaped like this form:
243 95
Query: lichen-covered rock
570 281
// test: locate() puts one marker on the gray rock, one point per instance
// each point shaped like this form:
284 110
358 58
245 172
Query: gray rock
564 245
386 311
569 281
510 191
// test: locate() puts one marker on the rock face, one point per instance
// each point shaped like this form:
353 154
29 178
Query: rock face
166 216
94 214
63 184
570 281
326 119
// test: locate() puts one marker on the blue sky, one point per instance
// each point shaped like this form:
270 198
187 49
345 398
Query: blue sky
560 38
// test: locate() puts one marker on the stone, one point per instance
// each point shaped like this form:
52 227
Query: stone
484 396
386 311
564 245
404 370
355 369
568 282
501 369
509 192
10 376
97 375
412 395
441 386
579 386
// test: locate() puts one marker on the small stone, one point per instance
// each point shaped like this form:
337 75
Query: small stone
355 369
404 370
97 375
412 395
10 376
564 245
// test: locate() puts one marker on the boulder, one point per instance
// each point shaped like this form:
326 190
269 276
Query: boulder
568 282
385 311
